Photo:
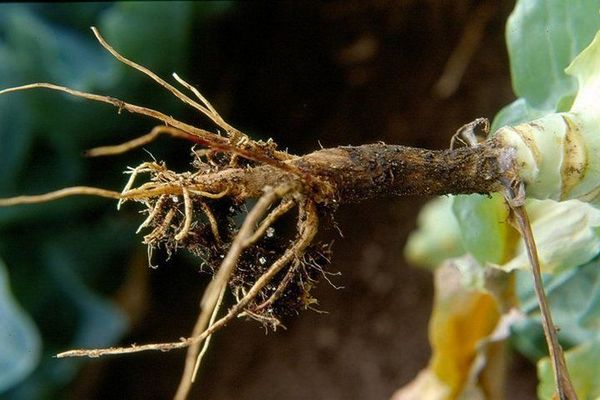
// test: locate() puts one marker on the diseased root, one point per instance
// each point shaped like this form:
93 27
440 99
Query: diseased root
268 275
195 210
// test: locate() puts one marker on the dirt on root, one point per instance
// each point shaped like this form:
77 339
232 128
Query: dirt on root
326 74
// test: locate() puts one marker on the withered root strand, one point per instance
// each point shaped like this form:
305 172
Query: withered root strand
269 276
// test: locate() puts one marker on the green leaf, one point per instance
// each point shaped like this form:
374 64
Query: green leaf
159 45
437 236
484 228
62 264
585 68
543 36
554 224
100 323
573 296
20 342
15 137
556 160
488 236
584 369
517 112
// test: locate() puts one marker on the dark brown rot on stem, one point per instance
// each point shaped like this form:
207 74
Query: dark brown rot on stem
379 170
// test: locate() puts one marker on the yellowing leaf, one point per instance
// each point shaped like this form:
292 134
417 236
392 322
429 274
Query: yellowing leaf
461 319
586 69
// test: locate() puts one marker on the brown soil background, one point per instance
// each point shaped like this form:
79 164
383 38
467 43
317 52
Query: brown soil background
310 74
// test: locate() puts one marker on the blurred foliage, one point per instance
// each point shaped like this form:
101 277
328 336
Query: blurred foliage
543 37
428 249
66 259
460 321
574 297
467 331
477 214
584 367
19 337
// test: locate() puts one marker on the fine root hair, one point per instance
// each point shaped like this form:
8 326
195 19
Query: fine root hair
197 210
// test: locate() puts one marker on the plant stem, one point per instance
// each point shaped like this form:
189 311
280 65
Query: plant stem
561 374
379 170
352 174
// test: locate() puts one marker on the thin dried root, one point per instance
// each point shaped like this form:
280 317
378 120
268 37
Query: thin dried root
265 320
188 132
207 341
137 142
187 222
157 207
210 298
174 189
134 172
308 226
208 194
147 193
210 113
59 194
204 101
246 148
93 353
281 288
194 357
206 108
214 226
196 135
160 230
277 212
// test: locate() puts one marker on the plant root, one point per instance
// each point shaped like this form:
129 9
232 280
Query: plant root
59 194
307 227
138 142
270 276
194 210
